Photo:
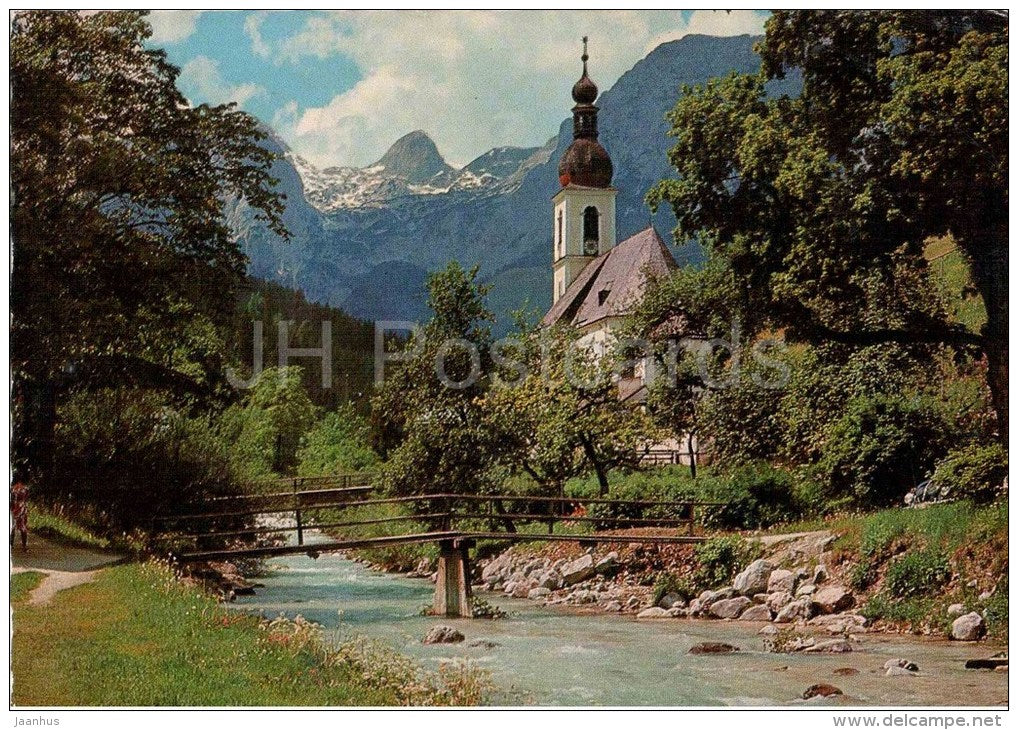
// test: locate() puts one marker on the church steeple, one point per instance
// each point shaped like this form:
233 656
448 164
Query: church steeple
586 162
584 212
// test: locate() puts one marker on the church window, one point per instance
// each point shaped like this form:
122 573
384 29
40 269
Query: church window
591 234
559 238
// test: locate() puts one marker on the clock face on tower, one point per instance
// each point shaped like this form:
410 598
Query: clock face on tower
590 247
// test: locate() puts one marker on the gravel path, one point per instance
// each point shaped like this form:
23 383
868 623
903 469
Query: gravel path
64 566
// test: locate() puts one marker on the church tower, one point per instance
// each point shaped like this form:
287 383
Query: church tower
584 209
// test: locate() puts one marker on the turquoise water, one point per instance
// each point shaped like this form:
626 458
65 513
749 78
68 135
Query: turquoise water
554 657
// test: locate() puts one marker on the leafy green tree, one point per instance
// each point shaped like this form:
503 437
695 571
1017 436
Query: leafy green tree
563 415
121 253
338 444
267 430
428 411
820 204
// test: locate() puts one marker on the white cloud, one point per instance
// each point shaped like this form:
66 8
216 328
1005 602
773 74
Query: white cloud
202 73
471 79
253 28
172 26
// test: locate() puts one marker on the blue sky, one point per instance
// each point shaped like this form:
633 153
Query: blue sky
341 86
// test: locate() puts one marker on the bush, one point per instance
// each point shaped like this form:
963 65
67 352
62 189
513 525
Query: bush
124 455
880 448
720 558
917 573
337 444
972 472
666 484
753 497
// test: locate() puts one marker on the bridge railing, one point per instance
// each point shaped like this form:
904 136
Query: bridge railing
443 512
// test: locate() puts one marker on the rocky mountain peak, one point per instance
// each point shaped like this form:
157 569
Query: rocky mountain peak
415 158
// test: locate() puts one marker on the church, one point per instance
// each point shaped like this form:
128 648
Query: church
596 280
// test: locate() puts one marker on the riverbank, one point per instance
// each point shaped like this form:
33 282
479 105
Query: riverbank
137 636
912 571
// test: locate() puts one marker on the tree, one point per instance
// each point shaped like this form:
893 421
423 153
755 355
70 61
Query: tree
820 204
429 408
561 414
268 430
119 238
338 444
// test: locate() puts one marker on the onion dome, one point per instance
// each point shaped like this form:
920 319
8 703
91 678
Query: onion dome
586 162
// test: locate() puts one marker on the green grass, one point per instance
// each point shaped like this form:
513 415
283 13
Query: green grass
24 583
53 523
916 562
950 272
136 637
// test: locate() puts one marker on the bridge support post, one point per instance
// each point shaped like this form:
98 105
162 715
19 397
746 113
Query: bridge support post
452 588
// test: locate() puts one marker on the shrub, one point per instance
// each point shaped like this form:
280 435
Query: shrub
337 444
125 455
880 448
720 558
917 573
997 611
753 497
972 472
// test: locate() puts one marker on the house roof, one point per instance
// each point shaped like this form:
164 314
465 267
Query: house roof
612 284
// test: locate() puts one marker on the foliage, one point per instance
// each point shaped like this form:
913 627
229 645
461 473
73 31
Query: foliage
126 456
484 609
917 573
433 435
880 448
972 472
563 414
353 342
338 444
819 205
123 262
267 431
753 497
53 523
720 558
996 611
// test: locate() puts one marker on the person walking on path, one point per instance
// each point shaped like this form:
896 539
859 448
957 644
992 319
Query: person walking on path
19 513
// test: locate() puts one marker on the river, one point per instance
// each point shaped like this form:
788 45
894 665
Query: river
548 656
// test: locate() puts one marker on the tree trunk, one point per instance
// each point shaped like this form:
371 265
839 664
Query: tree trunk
989 272
599 469
692 455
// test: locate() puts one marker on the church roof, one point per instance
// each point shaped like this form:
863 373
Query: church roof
612 284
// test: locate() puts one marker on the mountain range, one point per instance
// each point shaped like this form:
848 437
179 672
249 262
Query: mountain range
364 239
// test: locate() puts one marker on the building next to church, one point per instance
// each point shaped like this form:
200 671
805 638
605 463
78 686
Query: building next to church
597 280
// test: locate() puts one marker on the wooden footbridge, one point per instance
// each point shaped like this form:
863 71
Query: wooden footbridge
455 522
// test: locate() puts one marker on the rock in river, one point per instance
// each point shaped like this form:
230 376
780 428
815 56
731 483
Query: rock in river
654 612
759 612
821 690
713 647
970 627
729 607
443 635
